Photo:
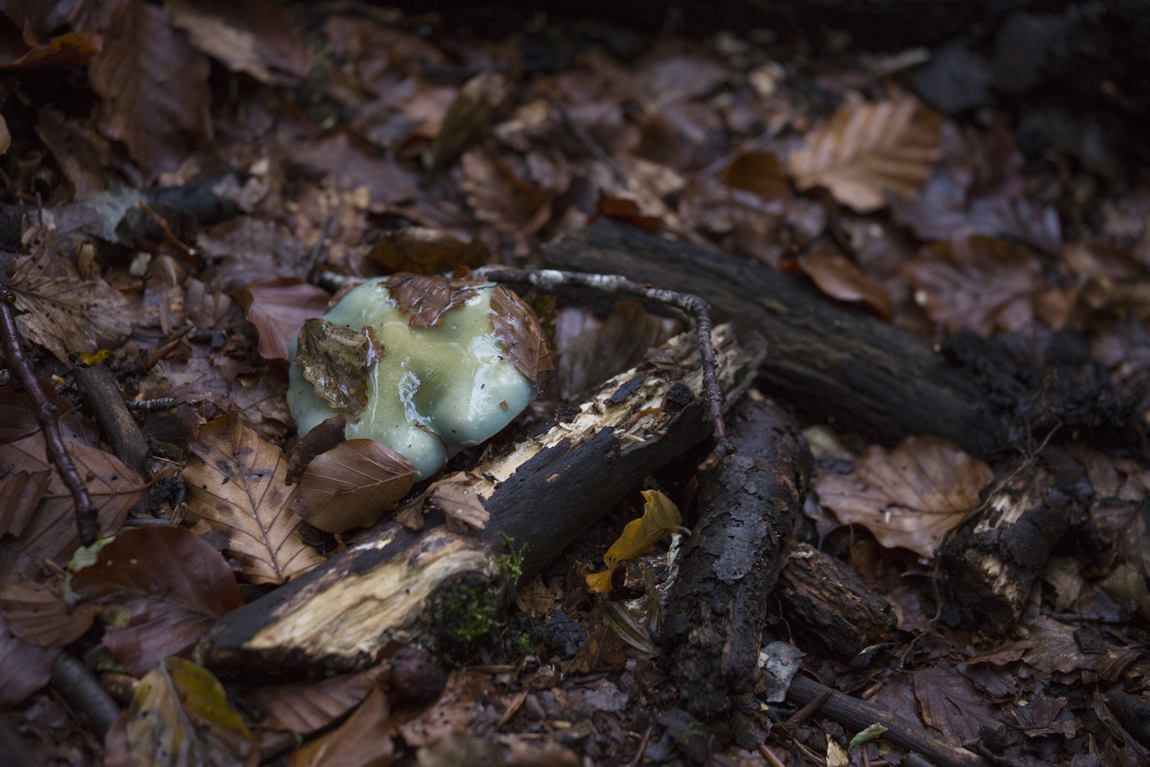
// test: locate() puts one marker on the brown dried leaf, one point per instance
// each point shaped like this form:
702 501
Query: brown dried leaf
660 518
305 707
909 496
537 599
27 667
37 613
419 250
627 211
173 584
386 179
154 85
352 485
258 37
459 501
52 531
987 285
951 705
517 328
1052 647
468 115
63 313
364 740
334 358
237 485
320 439
498 195
70 51
278 307
20 494
428 298
868 148
839 277
180 716
81 153
758 172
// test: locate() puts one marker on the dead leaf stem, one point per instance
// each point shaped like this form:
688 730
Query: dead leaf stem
46 412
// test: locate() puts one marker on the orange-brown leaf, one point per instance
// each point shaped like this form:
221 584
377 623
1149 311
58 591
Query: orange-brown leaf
37 613
364 740
420 250
758 172
352 485
909 496
278 306
839 277
660 518
517 328
868 148
236 480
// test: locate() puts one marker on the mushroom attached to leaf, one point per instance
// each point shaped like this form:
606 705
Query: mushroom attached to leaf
424 365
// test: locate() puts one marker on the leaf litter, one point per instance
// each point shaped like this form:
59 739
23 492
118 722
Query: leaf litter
376 142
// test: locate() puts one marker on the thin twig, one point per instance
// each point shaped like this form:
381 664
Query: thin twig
162 222
317 249
46 414
642 747
691 305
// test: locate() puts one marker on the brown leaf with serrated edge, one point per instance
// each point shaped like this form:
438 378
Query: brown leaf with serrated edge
27 667
427 298
334 358
305 707
909 496
51 533
320 439
839 277
868 148
352 485
37 613
660 518
61 312
278 307
20 494
517 328
173 584
364 740
154 85
419 250
758 172
237 486
460 502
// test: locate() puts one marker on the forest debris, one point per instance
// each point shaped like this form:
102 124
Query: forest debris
420 250
236 480
839 277
660 519
869 148
468 116
909 496
278 307
364 740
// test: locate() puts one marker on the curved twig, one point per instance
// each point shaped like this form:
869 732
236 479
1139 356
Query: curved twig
46 411
688 304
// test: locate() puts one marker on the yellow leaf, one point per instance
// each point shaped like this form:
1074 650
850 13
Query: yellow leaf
660 518
93 358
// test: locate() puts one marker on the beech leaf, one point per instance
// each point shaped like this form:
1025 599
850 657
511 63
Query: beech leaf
305 707
334 358
459 501
180 716
909 496
352 485
839 277
517 328
427 298
420 250
37 613
172 582
27 667
278 306
868 148
660 518
236 480
364 740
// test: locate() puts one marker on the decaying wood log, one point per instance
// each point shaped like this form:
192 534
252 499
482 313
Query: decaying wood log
827 607
718 602
993 557
831 361
440 587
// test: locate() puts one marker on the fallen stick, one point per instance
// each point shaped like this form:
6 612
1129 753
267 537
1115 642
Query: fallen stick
835 363
718 603
439 587
103 394
857 715
46 414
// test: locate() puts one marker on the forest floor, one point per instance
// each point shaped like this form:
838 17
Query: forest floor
318 138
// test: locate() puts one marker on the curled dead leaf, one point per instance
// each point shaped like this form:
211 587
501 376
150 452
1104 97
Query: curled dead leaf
660 518
460 502
839 277
278 307
364 740
334 358
868 148
517 328
352 485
